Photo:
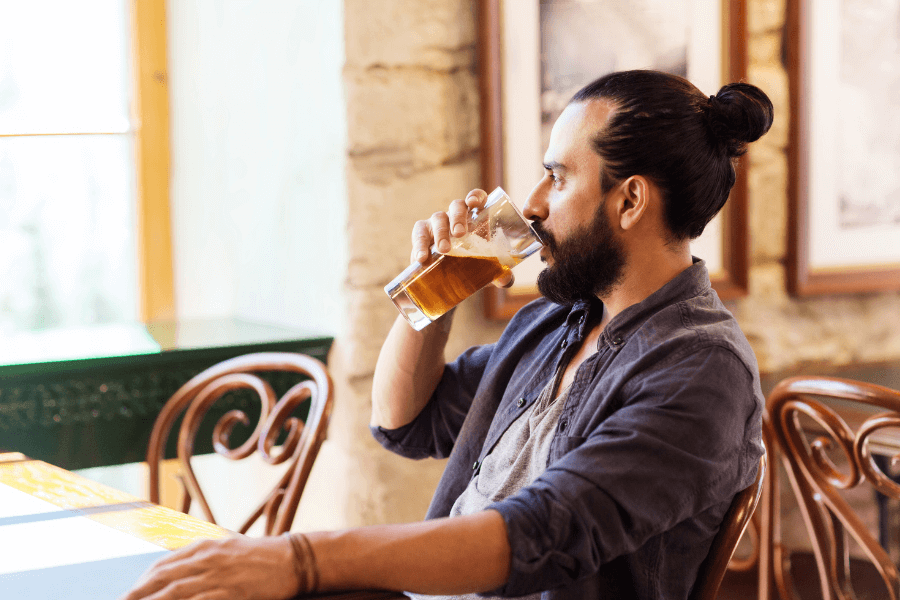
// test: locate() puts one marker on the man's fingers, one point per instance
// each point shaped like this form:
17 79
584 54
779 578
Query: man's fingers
154 581
440 228
505 281
421 241
476 199
459 217
180 589
177 565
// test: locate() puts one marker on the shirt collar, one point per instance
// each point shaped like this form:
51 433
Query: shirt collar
691 282
582 311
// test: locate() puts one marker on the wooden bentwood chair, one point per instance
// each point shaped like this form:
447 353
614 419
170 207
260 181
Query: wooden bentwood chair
828 432
300 447
713 568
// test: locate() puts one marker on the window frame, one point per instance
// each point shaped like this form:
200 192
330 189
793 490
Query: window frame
150 119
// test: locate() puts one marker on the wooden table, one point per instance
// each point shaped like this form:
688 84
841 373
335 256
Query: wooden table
64 536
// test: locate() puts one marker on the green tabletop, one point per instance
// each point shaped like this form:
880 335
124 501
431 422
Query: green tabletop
83 397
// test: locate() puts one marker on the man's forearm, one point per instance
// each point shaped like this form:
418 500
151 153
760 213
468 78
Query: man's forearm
408 370
442 556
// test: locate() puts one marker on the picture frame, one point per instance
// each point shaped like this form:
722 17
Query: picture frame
509 58
843 154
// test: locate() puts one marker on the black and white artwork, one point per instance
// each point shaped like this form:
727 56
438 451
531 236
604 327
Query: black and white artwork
869 189
582 40
849 135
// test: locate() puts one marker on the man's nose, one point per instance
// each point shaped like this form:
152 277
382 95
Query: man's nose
535 208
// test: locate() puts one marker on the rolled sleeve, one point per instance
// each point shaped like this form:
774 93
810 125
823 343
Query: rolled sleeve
433 433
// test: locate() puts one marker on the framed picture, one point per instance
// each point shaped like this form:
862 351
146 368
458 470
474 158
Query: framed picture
843 61
535 54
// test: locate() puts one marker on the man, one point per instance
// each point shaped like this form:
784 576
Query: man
594 449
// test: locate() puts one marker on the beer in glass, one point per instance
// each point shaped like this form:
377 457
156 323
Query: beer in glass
498 238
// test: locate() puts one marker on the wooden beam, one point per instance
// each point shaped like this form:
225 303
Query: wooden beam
150 115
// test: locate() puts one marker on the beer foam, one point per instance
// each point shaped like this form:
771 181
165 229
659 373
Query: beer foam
475 245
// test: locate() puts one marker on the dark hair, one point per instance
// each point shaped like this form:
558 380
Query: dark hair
664 128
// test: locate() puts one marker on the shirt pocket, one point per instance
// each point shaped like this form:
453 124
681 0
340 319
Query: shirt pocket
563 444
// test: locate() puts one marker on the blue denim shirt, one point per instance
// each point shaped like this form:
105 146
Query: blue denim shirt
661 429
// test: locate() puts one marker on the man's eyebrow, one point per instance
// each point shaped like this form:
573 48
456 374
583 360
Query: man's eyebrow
554 166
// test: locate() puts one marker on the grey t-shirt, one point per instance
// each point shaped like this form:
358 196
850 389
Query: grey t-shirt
520 456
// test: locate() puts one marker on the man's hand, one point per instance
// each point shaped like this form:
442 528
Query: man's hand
444 225
237 567
441 556
411 362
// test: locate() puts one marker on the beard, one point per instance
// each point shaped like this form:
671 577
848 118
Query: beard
588 264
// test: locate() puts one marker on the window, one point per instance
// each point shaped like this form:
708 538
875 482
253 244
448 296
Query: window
83 128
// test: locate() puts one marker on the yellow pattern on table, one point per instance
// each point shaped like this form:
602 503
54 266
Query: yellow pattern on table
162 526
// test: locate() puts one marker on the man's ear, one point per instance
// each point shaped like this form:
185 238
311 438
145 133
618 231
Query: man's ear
635 201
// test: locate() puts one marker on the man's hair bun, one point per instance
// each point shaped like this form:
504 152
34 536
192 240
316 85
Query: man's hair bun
738 114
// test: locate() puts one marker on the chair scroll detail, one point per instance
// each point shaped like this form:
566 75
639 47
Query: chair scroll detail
725 543
301 444
805 426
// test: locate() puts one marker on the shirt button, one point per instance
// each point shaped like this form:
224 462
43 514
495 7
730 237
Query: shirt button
617 341
475 466
564 344
581 319
562 426
520 402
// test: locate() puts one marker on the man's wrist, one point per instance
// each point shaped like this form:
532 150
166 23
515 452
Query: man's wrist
305 566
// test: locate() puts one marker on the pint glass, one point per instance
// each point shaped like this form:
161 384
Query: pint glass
498 238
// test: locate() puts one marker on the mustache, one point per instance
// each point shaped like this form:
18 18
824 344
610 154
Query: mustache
545 236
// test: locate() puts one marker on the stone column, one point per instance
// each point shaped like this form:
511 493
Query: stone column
412 127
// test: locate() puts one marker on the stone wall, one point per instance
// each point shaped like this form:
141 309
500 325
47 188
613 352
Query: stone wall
413 141
412 111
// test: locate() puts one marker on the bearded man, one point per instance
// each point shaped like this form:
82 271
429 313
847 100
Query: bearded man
605 434
596 446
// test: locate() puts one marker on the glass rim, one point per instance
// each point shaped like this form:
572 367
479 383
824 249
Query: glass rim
502 193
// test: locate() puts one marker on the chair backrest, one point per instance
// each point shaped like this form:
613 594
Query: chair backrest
810 417
300 446
713 568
